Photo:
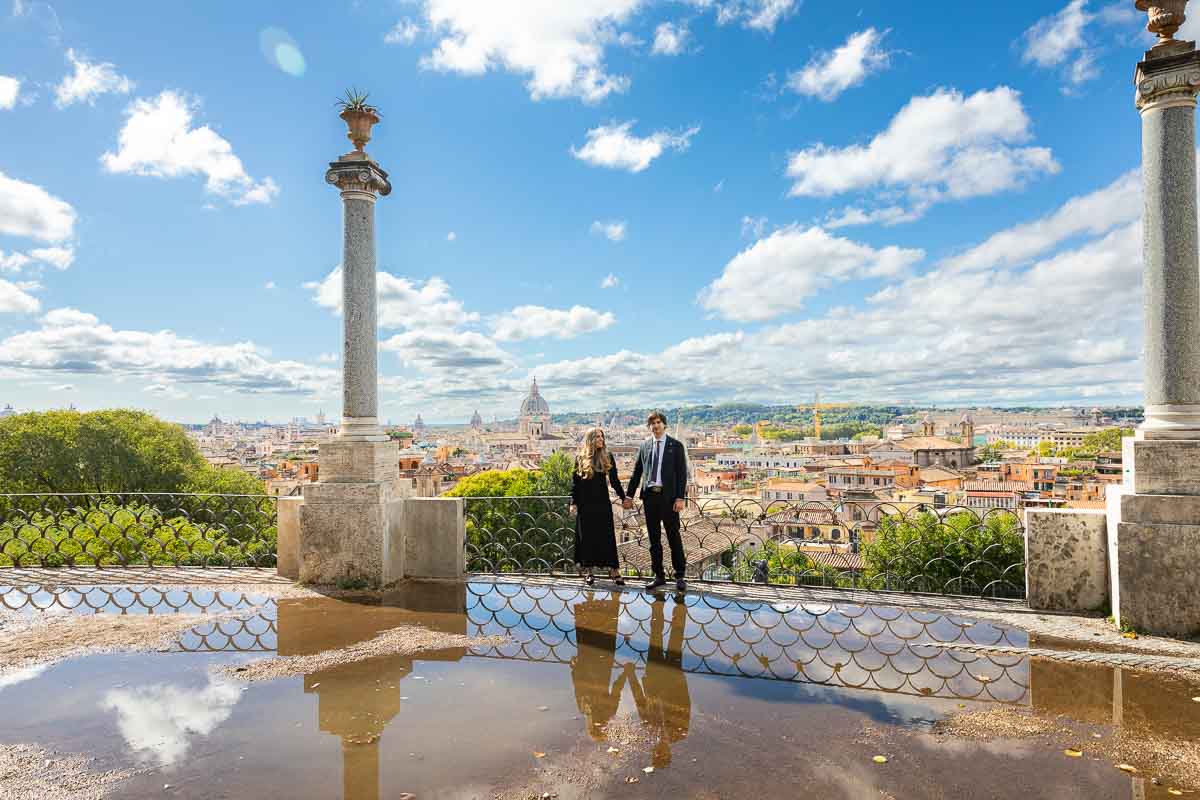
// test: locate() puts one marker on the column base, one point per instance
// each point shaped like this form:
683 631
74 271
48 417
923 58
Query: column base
1154 538
1161 466
348 460
345 535
1171 422
361 429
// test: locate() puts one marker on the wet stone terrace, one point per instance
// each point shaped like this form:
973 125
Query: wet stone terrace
593 693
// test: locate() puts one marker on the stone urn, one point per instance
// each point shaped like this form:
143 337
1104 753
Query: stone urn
1165 17
359 121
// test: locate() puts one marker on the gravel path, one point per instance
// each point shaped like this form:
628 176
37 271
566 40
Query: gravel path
402 640
28 772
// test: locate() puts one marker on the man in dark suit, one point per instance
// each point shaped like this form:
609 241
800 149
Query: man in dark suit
661 471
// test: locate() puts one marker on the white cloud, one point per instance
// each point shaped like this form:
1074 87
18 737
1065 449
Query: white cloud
939 146
559 46
160 720
328 358
761 15
886 215
58 257
610 281
14 262
166 390
15 298
1096 213
753 226
451 236
829 74
536 322
775 275
63 387
72 341
900 348
30 211
670 38
269 285
615 147
613 230
402 303
10 90
719 185
89 81
404 32
1061 39
158 140
440 350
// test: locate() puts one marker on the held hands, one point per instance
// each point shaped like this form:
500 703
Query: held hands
572 509
678 505
627 504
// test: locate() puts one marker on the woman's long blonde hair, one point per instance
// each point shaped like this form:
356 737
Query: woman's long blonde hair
592 459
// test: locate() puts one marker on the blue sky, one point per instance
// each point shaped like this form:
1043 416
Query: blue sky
635 201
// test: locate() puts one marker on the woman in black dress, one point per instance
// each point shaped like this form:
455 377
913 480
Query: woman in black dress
595 538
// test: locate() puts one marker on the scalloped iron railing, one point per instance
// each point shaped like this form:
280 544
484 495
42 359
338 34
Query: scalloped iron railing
137 529
864 545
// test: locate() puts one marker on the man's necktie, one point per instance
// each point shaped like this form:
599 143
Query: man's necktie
654 465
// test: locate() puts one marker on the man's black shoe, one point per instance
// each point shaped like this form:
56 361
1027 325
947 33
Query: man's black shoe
656 583
681 585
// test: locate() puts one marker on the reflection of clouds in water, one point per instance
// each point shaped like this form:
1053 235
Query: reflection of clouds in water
21 675
160 718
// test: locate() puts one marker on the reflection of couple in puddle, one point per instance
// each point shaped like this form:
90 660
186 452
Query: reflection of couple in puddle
662 698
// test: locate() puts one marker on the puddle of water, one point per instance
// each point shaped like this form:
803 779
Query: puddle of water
721 698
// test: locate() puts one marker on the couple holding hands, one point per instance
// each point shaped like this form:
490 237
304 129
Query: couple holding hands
660 472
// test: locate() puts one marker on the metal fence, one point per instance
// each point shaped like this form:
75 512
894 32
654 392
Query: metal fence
850 645
125 529
865 545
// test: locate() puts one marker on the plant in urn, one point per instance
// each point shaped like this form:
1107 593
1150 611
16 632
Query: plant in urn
1165 17
359 116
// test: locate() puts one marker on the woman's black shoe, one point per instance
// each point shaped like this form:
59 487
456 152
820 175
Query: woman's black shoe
618 581
590 580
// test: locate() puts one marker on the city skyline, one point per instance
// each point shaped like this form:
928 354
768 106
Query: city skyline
683 202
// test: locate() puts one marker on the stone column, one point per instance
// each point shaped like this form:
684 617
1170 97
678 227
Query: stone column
1154 517
344 522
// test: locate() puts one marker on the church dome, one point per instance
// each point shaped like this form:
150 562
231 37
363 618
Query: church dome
534 404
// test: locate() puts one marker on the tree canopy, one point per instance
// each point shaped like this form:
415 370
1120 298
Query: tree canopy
115 450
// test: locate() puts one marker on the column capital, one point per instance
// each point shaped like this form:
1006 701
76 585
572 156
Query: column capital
1167 81
358 176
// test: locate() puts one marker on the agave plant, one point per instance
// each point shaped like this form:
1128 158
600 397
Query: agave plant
354 100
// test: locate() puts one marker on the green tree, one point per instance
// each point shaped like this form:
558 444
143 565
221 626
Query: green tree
742 430
218 480
554 476
1107 439
117 450
958 554
1047 449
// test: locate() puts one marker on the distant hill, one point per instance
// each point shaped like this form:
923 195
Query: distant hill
749 413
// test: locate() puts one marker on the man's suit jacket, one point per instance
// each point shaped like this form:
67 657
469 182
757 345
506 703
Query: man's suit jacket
674 469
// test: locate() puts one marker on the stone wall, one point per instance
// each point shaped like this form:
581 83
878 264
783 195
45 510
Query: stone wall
1066 559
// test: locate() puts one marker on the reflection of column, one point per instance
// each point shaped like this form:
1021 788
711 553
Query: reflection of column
357 701
360 770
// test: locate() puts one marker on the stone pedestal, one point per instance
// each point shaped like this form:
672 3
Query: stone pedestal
1154 537
344 534
1153 525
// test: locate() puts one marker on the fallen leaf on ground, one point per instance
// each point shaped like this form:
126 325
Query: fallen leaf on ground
1174 791
1072 753
1196 699
880 759
613 750
1130 635
647 770
1126 767
538 755
632 780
